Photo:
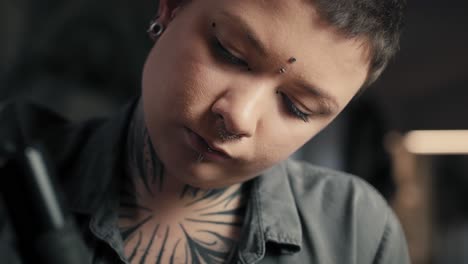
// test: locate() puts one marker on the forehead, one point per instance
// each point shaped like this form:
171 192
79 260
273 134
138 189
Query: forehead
325 58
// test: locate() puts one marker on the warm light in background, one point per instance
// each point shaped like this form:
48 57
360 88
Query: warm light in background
430 142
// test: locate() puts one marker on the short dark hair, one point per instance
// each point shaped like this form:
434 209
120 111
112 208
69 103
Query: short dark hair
380 22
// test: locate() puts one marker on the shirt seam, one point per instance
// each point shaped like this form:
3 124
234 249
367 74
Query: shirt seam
383 241
105 237
261 243
282 239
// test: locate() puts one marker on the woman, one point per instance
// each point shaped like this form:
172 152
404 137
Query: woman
229 91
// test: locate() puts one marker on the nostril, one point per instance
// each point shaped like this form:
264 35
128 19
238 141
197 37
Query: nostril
234 117
225 135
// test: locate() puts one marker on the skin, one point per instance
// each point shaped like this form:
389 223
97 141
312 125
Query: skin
163 221
187 86
178 209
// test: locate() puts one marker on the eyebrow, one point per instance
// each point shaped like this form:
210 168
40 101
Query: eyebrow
327 102
247 30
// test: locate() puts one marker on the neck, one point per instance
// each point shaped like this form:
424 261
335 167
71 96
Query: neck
148 183
164 219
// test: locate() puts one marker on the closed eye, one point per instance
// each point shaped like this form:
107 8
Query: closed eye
225 55
293 109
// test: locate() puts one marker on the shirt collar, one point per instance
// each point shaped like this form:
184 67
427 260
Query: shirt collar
275 221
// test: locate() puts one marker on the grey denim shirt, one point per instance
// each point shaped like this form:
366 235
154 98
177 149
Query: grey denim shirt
296 213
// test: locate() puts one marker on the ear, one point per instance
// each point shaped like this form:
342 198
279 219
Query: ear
168 9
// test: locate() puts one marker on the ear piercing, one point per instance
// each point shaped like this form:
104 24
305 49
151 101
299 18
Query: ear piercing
155 30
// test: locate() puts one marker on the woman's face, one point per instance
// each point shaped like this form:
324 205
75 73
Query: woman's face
216 69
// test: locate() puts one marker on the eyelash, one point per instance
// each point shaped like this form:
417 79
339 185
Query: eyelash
227 56
293 109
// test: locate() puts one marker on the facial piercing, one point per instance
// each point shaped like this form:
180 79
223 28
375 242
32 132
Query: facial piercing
225 135
291 61
155 30
200 158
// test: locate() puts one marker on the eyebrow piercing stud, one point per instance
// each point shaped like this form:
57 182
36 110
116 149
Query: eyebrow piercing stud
291 61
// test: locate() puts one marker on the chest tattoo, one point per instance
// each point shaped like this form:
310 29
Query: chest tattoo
195 232
193 226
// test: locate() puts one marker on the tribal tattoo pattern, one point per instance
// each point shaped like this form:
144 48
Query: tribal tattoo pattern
193 226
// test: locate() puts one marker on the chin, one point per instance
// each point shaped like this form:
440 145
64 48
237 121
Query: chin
205 176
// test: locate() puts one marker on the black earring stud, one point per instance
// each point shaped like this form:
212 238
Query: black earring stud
155 30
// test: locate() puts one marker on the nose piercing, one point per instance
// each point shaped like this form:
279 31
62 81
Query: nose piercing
155 29
225 135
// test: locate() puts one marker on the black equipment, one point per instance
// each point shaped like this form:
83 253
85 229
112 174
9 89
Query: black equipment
45 233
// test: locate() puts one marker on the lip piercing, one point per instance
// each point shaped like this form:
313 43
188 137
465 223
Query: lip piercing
282 70
200 158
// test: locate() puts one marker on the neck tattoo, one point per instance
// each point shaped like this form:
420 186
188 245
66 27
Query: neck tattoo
165 223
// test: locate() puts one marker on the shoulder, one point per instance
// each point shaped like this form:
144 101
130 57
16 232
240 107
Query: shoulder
332 187
348 211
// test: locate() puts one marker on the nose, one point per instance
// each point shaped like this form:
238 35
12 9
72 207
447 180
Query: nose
240 109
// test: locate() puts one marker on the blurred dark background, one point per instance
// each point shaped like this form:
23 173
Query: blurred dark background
83 59
80 57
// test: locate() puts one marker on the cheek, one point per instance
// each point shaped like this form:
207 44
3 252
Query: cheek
175 76
278 139
197 87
